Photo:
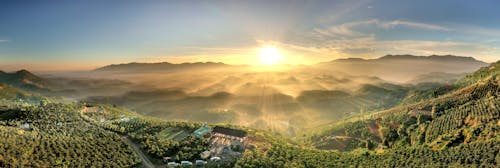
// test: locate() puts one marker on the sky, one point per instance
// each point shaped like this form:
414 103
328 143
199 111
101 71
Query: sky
79 35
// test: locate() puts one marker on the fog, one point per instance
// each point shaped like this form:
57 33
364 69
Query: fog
285 98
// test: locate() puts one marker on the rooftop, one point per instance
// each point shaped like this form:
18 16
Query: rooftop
201 131
230 131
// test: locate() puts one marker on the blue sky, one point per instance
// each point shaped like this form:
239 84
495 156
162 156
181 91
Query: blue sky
49 35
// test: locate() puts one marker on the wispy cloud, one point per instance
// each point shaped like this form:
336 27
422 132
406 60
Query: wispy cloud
417 25
368 46
349 29
3 40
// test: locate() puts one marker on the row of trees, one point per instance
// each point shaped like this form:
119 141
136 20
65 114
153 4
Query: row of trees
483 154
57 137
145 131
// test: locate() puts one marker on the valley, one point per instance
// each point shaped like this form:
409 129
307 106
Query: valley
451 123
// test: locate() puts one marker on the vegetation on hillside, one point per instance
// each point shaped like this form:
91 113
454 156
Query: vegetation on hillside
54 135
454 126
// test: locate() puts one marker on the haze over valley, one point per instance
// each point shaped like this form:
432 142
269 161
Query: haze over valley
285 99
249 84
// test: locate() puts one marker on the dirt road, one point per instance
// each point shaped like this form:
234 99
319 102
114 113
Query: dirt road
145 160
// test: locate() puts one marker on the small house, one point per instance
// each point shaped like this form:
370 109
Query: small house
25 126
205 154
172 164
167 159
215 159
186 163
200 162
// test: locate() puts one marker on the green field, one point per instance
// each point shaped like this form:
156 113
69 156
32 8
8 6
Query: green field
176 134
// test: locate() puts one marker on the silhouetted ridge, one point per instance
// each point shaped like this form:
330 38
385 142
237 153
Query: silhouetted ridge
162 66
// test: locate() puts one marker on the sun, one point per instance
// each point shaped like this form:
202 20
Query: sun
270 55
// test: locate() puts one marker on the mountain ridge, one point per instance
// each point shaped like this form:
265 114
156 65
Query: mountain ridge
402 68
23 79
410 57
160 66
437 123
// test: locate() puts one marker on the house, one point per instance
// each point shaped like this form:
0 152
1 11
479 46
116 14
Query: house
229 133
126 119
166 159
205 154
200 132
226 136
186 163
172 164
227 142
25 126
200 162
93 109
215 159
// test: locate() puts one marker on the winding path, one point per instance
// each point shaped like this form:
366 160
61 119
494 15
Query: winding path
145 160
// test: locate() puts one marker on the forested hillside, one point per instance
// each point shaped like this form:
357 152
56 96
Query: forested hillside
458 126
54 135
465 122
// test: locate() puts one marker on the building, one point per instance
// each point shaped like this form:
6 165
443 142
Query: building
186 163
205 154
227 140
166 159
200 132
229 132
173 164
25 126
215 159
93 109
200 162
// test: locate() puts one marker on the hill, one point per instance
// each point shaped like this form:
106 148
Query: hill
437 77
459 128
402 68
159 67
467 115
23 79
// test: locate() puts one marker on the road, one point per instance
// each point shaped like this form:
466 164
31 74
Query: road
145 160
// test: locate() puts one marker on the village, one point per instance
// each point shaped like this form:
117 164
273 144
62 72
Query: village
226 144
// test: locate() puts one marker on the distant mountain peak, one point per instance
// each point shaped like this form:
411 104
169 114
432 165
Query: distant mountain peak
411 57
23 79
401 68
160 66
431 57
25 73
349 59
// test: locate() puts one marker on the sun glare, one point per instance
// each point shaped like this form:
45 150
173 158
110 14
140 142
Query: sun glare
270 55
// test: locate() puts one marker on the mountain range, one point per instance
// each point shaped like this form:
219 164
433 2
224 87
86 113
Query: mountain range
394 68
455 124
403 68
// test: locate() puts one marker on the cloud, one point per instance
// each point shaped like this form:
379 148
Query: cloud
349 29
435 47
344 30
353 39
3 40
368 46
417 25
